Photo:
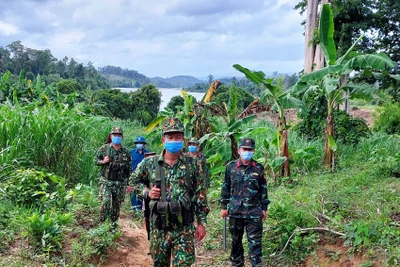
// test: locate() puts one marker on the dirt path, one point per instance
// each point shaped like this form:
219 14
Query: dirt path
133 248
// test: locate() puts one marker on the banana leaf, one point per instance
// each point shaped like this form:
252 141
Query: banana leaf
326 34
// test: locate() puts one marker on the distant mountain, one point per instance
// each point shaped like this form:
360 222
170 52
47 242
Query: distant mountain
119 77
126 78
180 81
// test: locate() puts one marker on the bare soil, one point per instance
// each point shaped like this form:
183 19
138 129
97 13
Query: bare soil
133 249
134 246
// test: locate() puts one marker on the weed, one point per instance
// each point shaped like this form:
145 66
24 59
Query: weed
45 231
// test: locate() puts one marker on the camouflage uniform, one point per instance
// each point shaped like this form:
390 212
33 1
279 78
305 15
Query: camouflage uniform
177 238
113 178
245 190
202 161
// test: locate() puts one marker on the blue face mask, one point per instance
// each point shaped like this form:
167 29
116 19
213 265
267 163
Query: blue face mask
192 149
247 155
116 140
173 146
139 146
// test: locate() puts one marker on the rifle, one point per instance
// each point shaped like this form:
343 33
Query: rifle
224 233
147 204
147 217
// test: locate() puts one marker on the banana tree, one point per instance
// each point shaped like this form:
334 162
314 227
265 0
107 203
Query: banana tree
221 143
280 100
194 115
328 81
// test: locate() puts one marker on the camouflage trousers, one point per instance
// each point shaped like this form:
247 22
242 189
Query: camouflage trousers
178 244
112 194
254 234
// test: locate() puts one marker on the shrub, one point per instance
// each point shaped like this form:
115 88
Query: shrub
68 86
45 231
388 120
347 129
28 187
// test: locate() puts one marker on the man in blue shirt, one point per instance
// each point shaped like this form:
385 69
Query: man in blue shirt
137 157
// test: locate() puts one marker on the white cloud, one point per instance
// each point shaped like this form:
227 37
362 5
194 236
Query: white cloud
7 29
162 37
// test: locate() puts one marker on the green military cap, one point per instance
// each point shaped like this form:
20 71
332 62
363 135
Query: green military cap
193 140
172 125
116 130
247 143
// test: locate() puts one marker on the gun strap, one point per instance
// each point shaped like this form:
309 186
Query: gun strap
108 148
160 175
187 173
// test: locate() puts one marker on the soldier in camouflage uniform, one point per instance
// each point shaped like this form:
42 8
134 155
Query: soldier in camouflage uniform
177 195
115 162
193 151
245 191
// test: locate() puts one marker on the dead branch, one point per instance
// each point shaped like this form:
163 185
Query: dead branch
305 230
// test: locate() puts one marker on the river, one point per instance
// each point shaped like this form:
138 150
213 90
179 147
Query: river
167 94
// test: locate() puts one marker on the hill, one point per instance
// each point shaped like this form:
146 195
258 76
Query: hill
119 77
176 81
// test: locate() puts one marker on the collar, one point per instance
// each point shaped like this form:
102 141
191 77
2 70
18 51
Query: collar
161 157
240 163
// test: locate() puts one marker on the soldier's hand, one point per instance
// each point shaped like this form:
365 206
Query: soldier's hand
264 215
128 189
106 160
224 213
200 232
155 193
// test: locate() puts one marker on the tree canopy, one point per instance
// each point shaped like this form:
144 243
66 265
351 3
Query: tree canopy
15 57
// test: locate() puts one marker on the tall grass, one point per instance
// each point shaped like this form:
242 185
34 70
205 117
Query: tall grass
61 141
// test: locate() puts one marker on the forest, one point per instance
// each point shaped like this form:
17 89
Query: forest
333 179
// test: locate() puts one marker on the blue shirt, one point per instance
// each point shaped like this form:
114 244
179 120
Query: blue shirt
137 157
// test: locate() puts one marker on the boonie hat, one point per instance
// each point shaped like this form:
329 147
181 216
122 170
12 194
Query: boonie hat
247 143
116 130
172 125
193 140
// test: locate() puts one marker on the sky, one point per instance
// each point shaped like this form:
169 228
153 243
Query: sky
162 38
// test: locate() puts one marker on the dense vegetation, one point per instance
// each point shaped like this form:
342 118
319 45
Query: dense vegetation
58 206
15 57
379 18
244 83
119 77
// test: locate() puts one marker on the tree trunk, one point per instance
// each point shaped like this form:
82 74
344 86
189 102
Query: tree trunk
343 81
285 147
311 24
329 153
314 57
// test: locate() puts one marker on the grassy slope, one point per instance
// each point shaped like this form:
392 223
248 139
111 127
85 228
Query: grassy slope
358 201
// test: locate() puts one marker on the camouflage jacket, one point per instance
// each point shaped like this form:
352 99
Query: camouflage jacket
120 165
175 181
202 164
245 190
